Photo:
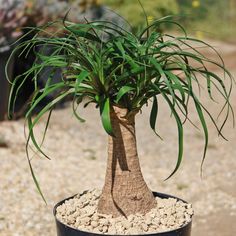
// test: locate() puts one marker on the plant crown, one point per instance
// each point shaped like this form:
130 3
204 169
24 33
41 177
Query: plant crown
110 65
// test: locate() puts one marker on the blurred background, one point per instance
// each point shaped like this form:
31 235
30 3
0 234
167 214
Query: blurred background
81 147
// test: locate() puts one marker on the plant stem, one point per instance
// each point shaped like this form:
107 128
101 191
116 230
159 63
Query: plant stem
125 191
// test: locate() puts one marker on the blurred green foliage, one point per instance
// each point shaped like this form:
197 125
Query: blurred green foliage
203 18
210 18
132 11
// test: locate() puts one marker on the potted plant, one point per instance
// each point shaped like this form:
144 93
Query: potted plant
120 74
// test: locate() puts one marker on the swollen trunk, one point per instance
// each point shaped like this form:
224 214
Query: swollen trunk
125 191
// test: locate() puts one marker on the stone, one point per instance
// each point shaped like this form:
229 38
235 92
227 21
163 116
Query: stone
104 222
144 227
85 221
104 229
127 224
94 224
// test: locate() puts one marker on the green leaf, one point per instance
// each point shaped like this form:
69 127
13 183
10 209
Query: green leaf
153 116
204 126
46 92
177 83
35 180
162 73
82 32
121 49
122 92
74 108
47 108
80 78
180 130
31 136
105 116
180 136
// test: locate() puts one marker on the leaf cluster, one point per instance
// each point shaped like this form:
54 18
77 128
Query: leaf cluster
108 65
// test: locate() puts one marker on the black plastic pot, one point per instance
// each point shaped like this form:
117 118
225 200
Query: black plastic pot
4 84
64 230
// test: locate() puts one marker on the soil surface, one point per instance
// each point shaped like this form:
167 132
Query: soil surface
78 163
80 212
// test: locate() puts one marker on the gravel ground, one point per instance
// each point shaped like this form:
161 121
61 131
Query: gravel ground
78 163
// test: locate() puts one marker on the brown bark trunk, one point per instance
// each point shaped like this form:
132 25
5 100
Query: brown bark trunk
125 191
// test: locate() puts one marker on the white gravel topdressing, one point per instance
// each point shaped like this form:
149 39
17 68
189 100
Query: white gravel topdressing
80 212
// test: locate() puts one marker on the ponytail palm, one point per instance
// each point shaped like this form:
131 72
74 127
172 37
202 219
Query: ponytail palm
120 72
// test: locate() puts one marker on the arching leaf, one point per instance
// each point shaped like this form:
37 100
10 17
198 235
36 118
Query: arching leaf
105 116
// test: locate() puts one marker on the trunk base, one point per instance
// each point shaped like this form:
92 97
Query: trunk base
125 201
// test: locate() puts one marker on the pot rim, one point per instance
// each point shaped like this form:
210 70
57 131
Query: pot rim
156 194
